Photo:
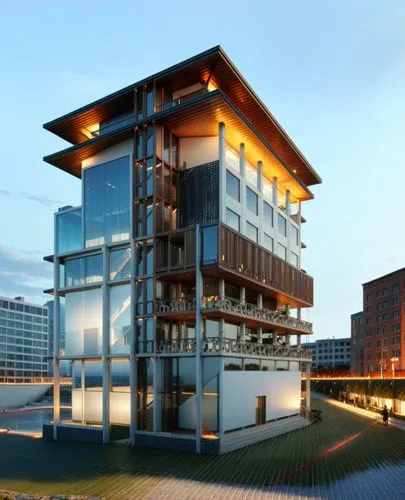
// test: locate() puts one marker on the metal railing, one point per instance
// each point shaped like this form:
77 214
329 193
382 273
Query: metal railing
33 380
228 304
217 345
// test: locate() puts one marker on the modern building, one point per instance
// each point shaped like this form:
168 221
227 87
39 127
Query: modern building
181 271
384 324
330 354
23 340
357 344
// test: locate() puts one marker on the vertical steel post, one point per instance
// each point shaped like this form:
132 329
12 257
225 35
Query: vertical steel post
198 339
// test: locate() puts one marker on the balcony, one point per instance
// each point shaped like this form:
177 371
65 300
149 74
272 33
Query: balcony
218 346
230 308
238 260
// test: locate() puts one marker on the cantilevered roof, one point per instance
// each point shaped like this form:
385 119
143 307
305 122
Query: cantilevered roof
199 118
212 65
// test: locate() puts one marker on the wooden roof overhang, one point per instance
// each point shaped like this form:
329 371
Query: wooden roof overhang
202 119
212 65
198 118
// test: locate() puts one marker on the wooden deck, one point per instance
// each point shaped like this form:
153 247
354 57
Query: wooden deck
345 456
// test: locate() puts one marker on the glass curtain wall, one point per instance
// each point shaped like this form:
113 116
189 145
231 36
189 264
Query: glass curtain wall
107 202
120 319
69 231
83 323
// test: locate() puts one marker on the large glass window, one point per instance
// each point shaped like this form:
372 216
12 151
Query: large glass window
83 271
69 230
267 214
209 244
83 323
107 202
267 188
232 219
251 231
120 264
232 186
120 319
282 225
251 201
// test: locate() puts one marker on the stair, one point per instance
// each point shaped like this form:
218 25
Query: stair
239 439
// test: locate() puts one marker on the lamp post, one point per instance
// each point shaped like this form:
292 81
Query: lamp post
393 360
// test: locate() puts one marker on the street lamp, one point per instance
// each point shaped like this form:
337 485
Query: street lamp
393 366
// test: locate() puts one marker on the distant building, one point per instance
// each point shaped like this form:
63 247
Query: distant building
384 324
357 344
330 353
23 339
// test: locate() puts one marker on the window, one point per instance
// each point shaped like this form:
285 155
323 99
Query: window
396 327
120 264
209 244
69 230
395 314
232 219
267 214
267 188
268 242
282 251
294 259
83 271
282 225
251 174
120 319
395 301
232 158
232 186
395 289
251 201
294 235
107 202
251 231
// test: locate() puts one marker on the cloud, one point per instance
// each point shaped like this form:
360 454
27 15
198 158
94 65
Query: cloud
43 200
24 273
4 192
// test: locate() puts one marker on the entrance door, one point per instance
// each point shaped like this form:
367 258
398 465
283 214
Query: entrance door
260 410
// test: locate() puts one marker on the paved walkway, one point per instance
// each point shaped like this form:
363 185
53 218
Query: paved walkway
346 456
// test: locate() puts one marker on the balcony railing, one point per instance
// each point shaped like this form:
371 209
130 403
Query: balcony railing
228 304
216 345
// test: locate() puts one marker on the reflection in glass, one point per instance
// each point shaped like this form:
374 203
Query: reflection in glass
69 230
120 319
209 244
232 219
232 186
251 174
83 271
120 264
83 323
106 202
251 231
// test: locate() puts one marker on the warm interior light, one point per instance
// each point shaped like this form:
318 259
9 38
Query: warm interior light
211 86
91 131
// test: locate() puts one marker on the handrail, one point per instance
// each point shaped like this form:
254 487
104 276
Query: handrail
217 303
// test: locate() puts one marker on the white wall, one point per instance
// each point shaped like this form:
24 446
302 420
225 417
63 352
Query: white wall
282 391
198 150
93 404
117 151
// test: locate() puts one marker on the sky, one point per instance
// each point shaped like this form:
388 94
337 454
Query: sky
332 73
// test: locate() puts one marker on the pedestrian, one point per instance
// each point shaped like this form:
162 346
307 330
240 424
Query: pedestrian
384 415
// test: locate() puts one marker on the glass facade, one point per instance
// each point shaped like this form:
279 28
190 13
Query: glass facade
120 264
107 202
282 225
69 235
83 271
120 319
83 323
268 214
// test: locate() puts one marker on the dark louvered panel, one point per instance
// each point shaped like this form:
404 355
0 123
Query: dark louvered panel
199 194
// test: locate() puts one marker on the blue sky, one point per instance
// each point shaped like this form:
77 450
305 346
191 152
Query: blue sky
332 73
